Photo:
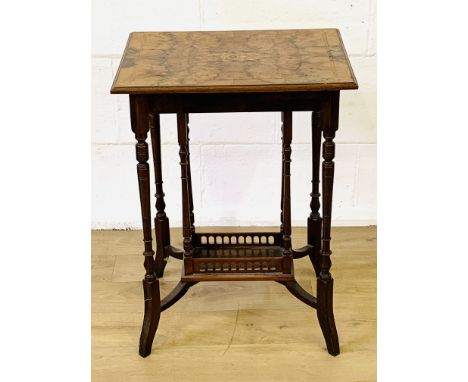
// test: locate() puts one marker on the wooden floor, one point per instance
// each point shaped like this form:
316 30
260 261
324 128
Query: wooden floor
233 331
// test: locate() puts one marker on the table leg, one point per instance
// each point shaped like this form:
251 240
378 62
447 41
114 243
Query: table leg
161 221
140 125
182 135
282 186
286 118
189 174
325 280
314 222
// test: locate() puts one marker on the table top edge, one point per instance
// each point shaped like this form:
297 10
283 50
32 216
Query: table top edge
233 88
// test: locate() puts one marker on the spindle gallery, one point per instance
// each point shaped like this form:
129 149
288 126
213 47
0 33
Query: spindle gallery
238 71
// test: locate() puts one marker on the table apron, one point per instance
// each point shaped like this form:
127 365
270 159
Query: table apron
237 102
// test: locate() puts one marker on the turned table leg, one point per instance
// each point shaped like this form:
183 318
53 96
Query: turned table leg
187 230
140 125
325 280
286 129
314 222
282 184
189 176
161 221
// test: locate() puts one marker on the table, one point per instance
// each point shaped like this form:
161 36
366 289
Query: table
235 71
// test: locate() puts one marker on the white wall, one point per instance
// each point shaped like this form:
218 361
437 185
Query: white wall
235 157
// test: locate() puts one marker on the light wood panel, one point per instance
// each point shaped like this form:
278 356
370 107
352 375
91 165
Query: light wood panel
234 61
250 331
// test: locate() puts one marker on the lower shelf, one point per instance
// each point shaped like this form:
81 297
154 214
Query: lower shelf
231 263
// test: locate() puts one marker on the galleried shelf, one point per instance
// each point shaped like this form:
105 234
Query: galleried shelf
238 256
235 71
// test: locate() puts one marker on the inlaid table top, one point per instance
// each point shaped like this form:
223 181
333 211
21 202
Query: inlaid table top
234 61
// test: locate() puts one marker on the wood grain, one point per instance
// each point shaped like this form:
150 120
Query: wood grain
234 61
239 331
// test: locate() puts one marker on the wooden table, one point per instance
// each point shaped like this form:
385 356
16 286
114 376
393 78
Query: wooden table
236 71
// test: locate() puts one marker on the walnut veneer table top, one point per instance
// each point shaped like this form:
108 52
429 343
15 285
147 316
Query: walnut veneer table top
234 61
